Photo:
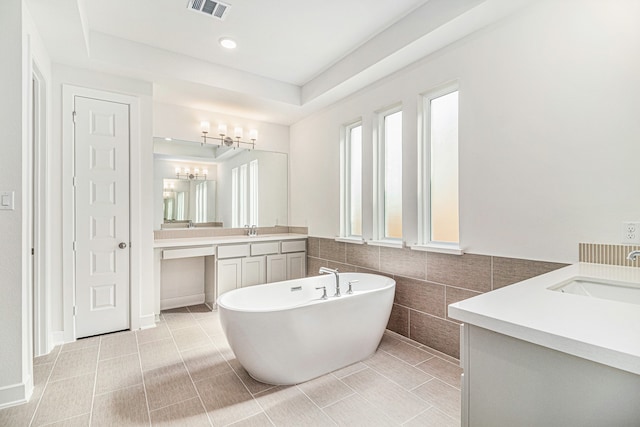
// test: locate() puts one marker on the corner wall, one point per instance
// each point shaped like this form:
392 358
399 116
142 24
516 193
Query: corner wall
548 133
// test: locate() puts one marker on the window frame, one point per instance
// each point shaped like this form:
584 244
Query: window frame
379 179
346 200
425 241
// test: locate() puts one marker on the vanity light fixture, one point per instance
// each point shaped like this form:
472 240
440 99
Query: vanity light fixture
227 140
187 174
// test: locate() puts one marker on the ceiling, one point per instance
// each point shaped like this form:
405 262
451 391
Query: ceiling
293 57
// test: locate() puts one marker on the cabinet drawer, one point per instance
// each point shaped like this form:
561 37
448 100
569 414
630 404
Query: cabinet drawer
233 251
188 252
294 246
264 248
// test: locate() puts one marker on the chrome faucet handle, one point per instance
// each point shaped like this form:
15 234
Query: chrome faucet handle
324 291
350 291
633 255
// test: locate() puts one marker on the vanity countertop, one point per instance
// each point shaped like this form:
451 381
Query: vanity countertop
595 329
221 240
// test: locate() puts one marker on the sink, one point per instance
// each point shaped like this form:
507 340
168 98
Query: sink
601 289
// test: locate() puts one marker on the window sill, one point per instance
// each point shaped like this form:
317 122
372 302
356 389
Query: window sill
386 243
443 249
354 240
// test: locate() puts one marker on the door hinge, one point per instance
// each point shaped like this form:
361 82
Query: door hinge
33 252
74 181
74 246
74 310
73 116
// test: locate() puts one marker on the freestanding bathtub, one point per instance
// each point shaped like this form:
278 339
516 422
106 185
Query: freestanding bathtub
285 333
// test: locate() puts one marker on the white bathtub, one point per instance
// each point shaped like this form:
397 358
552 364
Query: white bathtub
284 333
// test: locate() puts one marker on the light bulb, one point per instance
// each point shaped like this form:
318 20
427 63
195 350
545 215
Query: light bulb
222 129
205 172
186 171
196 171
253 134
238 132
205 127
177 171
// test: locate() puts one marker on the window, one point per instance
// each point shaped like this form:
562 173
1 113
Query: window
351 181
244 194
389 176
438 216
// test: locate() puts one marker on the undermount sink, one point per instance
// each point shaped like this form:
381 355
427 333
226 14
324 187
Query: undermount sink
601 289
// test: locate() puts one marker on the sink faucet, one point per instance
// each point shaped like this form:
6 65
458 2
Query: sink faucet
254 230
633 255
190 225
335 272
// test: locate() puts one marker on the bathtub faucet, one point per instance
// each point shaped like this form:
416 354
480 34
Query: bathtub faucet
335 272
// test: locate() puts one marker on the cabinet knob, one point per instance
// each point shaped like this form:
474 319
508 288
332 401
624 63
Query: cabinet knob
122 245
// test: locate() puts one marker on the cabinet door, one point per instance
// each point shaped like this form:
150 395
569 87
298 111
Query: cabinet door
254 271
276 268
296 265
229 274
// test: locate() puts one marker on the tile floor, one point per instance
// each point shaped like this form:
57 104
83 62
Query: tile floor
183 373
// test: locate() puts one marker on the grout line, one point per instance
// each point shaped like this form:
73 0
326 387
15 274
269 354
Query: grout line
193 383
418 414
95 382
44 388
315 404
144 386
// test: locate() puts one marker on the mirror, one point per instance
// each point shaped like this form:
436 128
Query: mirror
241 186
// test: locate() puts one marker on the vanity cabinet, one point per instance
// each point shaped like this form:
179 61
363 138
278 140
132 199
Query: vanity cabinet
248 264
276 268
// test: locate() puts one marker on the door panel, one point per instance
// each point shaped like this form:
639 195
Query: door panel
102 216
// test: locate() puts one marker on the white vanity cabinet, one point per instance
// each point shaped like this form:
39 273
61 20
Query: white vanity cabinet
254 263
194 269
276 268
296 262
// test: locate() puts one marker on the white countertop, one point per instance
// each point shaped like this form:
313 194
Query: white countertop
221 240
603 331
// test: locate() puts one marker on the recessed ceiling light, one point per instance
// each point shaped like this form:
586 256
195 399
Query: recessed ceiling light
227 43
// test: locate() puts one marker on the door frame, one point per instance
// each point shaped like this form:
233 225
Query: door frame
69 92
39 171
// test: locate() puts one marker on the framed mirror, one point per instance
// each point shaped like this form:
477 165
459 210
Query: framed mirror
213 187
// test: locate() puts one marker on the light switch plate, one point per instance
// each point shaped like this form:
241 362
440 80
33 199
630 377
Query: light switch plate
6 200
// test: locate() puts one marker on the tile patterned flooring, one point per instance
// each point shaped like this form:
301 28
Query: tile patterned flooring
183 373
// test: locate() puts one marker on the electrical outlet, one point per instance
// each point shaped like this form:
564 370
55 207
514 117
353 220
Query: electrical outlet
630 232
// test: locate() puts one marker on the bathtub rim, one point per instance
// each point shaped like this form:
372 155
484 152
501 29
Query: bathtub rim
222 305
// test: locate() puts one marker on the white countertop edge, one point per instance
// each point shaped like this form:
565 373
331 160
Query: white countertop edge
221 240
602 331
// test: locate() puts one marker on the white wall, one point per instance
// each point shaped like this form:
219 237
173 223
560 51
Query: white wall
549 146
21 47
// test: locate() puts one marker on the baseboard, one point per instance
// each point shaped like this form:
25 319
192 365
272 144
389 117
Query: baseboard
57 338
16 394
148 321
169 303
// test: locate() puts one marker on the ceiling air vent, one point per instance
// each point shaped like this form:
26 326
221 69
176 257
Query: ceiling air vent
212 8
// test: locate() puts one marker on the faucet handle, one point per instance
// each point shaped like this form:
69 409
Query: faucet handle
324 291
350 291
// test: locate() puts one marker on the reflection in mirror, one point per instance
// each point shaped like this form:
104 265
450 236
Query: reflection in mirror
241 187
189 200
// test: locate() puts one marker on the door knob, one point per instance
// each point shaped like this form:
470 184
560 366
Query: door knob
122 245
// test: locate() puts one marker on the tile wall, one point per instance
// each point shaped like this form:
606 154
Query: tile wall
426 283
598 253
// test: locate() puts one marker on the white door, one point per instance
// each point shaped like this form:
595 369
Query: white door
101 182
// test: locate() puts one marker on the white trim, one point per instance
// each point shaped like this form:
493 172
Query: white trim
148 321
69 92
379 170
439 248
56 338
169 303
41 278
386 243
345 179
424 162
16 394
354 240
